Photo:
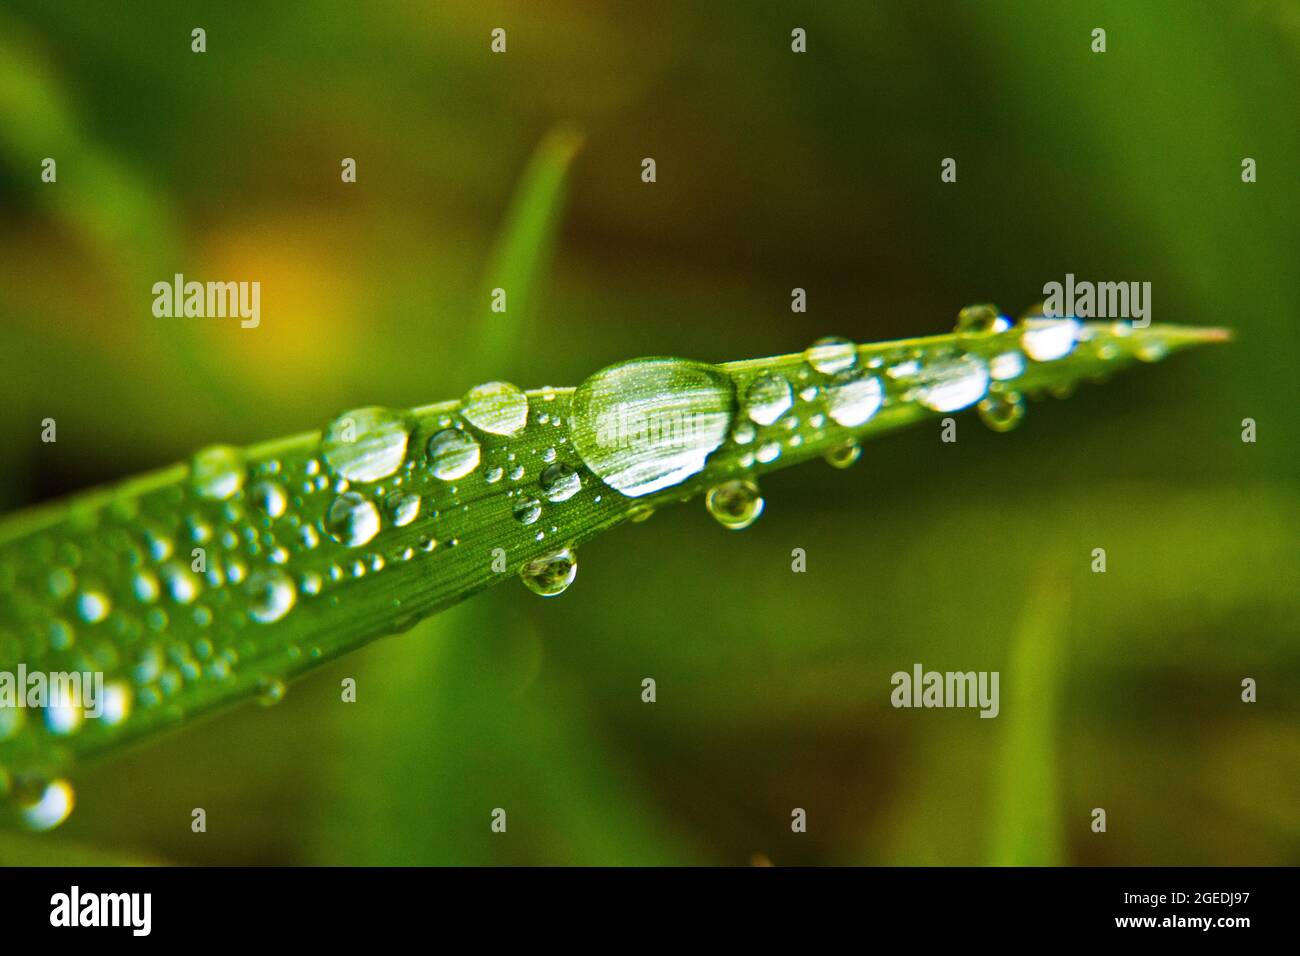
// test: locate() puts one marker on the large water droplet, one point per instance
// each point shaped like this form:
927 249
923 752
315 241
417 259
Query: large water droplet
735 504
854 402
768 398
527 510
951 384
832 355
217 472
365 444
497 408
560 482
550 574
352 519
453 454
651 423
1002 411
1006 365
271 595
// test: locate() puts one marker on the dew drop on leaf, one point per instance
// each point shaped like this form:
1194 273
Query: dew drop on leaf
853 402
453 454
1002 411
768 398
217 473
735 504
497 408
948 385
365 444
832 355
351 519
551 574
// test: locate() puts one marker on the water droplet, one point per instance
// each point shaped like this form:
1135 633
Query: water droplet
1045 340
842 456
217 472
952 384
1152 350
560 482
352 519
365 444
93 606
271 595
832 355
497 408
854 402
145 587
552 573
402 507
735 504
527 510
984 319
1007 365
768 398
1002 411
270 691
649 424
53 805
768 452
453 454
181 584
743 433
269 498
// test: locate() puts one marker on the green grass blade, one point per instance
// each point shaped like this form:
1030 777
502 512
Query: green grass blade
311 545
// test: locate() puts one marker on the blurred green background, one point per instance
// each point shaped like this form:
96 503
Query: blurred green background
775 170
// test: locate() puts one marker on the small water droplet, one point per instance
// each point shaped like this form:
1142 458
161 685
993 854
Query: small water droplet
735 504
768 398
351 519
453 454
217 473
365 444
952 384
52 805
832 355
854 402
527 510
550 574
269 498
983 319
842 456
270 691
93 606
271 595
1002 411
402 507
1152 350
560 482
497 408
768 452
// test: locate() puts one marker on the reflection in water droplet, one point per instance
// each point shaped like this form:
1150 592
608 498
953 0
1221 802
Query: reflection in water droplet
951 384
768 452
735 504
560 482
1045 340
271 595
497 408
854 402
1002 411
92 606
842 456
550 574
365 444
651 423
831 355
217 472
352 519
453 454
768 398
